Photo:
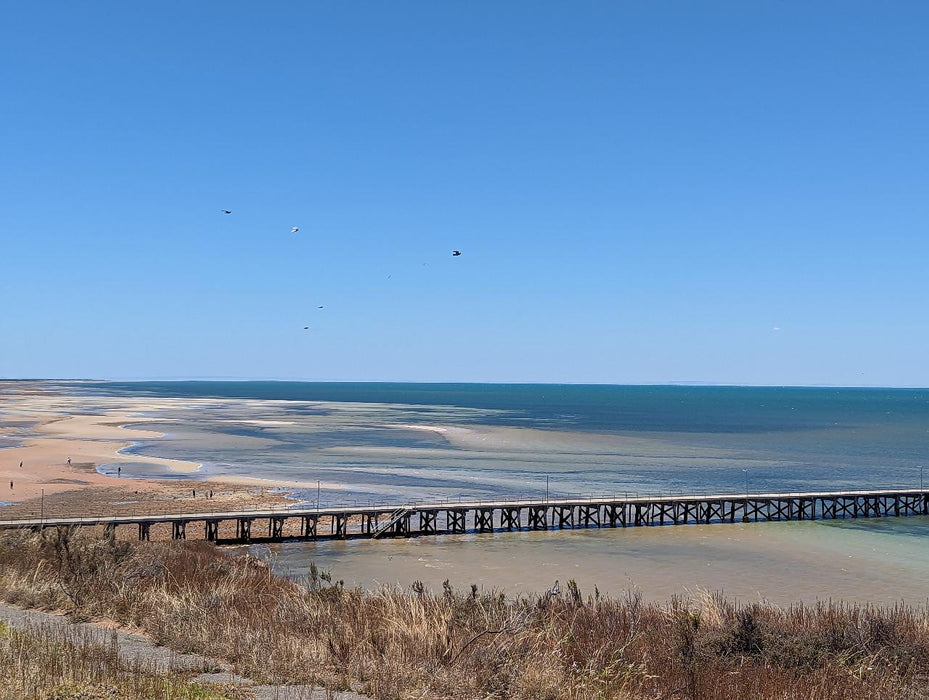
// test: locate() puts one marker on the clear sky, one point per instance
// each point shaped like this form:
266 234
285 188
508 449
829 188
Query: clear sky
726 192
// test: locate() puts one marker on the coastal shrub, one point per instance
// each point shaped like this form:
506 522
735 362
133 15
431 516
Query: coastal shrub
744 637
466 643
58 664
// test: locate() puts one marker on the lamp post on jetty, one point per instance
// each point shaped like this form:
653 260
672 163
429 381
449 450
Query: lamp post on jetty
42 516
920 477
745 471
317 495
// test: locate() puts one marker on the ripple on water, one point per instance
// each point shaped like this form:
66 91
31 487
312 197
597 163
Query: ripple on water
780 562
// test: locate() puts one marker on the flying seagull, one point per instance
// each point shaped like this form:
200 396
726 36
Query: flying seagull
319 307
226 211
456 253
294 229
306 328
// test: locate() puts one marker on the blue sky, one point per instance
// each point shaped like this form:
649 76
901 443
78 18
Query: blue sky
722 192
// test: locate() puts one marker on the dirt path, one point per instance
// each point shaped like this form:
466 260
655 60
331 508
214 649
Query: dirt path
133 648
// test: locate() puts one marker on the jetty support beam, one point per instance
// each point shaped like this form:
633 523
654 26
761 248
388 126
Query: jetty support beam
588 515
484 519
538 517
455 520
243 529
339 525
427 521
615 513
276 527
510 518
309 525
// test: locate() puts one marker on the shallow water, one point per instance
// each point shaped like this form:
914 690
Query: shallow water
869 560
515 440
400 442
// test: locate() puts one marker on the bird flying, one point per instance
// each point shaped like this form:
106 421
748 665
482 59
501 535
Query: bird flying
456 253
294 229
226 211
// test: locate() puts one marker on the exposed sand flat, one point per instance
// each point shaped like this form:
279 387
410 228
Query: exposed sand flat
88 440
280 484
536 441
94 431
114 425
64 431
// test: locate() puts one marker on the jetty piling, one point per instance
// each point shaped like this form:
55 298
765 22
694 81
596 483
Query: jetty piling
460 516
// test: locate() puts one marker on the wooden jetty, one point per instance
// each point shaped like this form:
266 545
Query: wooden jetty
301 523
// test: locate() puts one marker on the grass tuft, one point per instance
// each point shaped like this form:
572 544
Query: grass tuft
395 643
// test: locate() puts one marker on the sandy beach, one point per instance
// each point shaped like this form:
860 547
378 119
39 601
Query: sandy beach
59 441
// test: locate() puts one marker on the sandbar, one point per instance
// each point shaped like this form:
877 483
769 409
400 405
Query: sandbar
64 439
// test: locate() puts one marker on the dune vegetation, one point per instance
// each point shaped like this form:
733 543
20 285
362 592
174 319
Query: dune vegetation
452 643
52 663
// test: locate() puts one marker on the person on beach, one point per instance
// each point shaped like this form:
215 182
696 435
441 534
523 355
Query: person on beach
20 464
69 461
11 486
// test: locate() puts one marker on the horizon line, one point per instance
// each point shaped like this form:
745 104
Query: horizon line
681 383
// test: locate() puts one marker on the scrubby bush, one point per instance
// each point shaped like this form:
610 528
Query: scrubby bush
465 644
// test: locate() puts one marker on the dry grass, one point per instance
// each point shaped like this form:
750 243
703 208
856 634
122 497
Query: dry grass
61 664
467 644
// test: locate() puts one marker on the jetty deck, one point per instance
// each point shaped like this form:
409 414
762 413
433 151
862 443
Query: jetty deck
457 517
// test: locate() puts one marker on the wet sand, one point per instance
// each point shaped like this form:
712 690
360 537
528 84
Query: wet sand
61 443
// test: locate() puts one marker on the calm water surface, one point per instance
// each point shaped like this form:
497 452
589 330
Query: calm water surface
877 560
400 442
444 440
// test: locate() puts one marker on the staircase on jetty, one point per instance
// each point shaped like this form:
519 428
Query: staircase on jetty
505 515
395 517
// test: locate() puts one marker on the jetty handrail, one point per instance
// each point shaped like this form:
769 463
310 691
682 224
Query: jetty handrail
391 521
148 514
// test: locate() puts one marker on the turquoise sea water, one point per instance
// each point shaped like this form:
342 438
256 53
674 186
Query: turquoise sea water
381 442
508 438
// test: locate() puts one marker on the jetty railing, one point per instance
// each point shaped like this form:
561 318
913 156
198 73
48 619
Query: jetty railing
483 515
204 506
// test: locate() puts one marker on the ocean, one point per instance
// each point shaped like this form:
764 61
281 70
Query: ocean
392 442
